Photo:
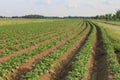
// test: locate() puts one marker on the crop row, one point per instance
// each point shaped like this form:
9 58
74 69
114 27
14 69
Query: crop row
18 36
17 60
11 49
51 28
79 67
46 62
113 35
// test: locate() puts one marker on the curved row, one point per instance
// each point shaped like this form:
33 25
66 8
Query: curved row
45 63
79 66
23 57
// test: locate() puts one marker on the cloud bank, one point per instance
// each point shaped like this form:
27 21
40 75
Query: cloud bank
58 7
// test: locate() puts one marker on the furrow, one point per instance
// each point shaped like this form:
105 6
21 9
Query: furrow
98 67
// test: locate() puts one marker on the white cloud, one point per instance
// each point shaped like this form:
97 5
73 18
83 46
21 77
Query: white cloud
73 3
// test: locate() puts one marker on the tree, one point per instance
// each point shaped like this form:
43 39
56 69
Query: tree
118 14
33 16
114 17
110 16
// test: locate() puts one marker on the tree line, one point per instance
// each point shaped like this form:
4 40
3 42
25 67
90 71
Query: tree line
35 16
32 16
110 16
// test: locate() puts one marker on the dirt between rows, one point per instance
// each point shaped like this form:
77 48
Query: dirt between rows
1 50
118 57
98 65
27 66
64 63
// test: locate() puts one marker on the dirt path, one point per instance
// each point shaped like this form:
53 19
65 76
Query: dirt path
25 67
110 26
64 63
98 68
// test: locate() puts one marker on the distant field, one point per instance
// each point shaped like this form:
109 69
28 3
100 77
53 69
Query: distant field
111 22
58 49
8 21
114 36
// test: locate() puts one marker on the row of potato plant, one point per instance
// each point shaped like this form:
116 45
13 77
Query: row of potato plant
16 34
113 35
15 61
46 62
79 66
11 49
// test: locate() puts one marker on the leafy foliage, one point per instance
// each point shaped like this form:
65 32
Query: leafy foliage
45 63
79 67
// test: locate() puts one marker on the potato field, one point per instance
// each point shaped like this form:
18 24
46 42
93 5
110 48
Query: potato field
58 49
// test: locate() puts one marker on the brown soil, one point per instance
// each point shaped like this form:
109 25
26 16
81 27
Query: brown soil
118 57
64 63
98 66
1 50
6 57
25 67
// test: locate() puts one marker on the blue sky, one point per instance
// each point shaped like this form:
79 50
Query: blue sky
58 7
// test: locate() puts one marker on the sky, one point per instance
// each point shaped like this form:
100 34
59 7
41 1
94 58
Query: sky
58 7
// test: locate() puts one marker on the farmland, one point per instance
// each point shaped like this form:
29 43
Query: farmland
58 49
